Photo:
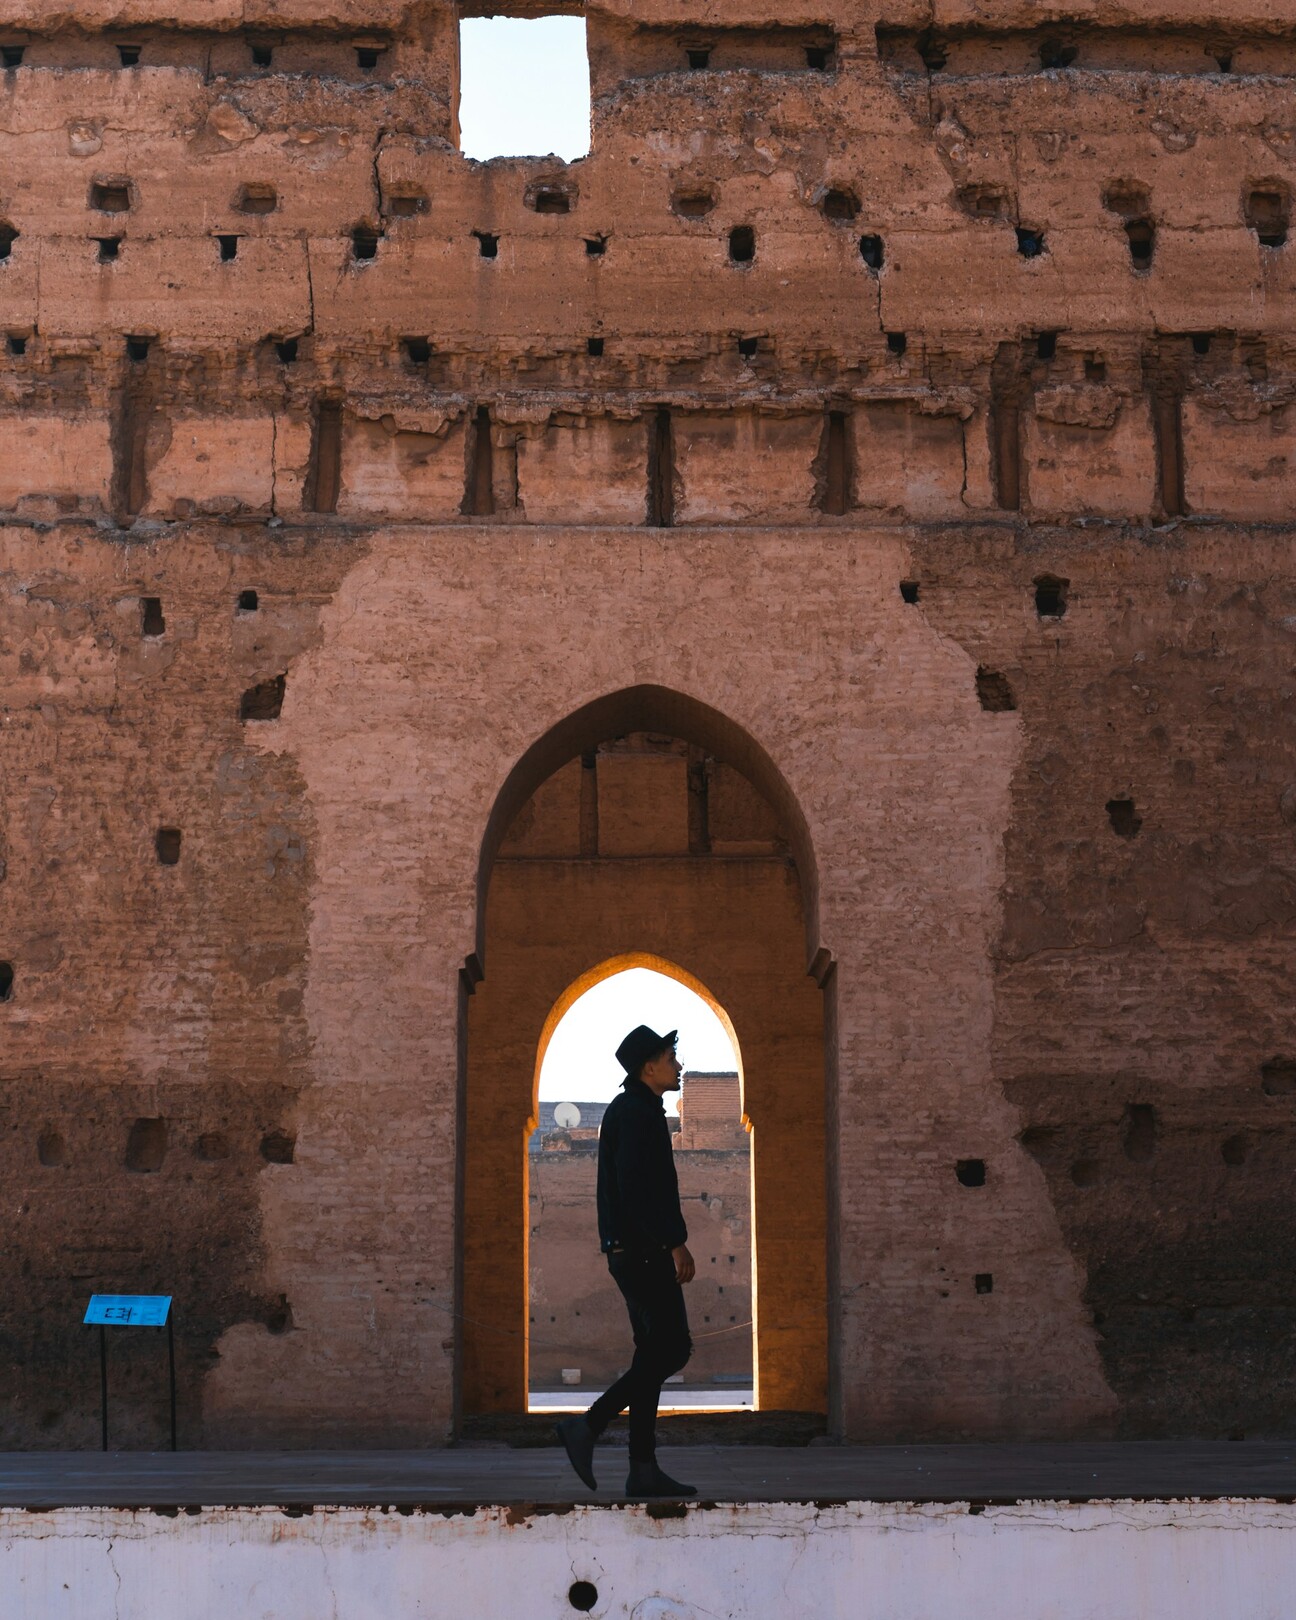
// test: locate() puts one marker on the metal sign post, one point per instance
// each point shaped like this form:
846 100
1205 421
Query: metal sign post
131 1310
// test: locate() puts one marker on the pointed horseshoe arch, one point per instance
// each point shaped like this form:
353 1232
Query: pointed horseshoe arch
608 970
674 714
553 916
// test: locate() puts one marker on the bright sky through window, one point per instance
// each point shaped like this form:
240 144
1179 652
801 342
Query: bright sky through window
523 87
580 1061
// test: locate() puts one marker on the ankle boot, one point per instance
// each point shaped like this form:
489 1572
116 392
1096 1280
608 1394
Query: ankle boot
578 1440
647 1479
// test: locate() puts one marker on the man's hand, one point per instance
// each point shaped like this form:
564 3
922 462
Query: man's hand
685 1270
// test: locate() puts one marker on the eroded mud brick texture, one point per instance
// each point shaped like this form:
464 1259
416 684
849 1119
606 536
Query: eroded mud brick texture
872 557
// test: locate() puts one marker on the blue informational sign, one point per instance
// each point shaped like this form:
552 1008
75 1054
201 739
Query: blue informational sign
128 1310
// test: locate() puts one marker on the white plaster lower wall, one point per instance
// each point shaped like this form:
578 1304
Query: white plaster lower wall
779 1561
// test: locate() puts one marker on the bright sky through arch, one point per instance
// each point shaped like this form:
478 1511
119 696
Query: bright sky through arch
580 1061
523 87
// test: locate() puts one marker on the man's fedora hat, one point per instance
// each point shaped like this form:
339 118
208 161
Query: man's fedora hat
641 1046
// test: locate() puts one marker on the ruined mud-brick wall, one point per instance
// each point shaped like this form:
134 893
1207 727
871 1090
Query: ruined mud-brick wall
910 385
577 1317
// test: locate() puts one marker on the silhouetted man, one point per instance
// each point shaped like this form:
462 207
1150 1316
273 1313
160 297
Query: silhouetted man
642 1232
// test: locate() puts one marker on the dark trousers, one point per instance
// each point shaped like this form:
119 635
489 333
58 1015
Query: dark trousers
662 1346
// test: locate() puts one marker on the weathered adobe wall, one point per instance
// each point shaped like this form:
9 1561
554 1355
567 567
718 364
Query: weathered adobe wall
1095 1005
971 159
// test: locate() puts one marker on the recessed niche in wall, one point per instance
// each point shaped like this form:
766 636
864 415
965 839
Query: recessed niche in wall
110 196
994 692
1267 210
406 203
1125 823
742 244
146 1146
278 1147
256 197
549 198
51 1149
364 242
840 205
1051 596
264 700
696 203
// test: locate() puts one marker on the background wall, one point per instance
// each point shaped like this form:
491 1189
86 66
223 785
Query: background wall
962 502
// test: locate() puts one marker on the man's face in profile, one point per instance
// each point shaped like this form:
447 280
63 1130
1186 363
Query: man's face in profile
663 1073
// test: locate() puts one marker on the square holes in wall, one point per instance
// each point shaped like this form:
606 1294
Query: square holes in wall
523 88
110 196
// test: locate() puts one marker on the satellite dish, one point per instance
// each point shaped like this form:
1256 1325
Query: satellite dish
567 1116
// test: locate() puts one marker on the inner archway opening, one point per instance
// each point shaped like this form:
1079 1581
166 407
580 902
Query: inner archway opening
578 1339
647 826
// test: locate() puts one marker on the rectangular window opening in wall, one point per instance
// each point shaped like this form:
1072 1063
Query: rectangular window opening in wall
524 87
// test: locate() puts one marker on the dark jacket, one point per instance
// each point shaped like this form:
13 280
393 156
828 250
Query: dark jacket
638 1195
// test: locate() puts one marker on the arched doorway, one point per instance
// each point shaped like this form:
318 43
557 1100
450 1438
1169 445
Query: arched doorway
647 825
578 1340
